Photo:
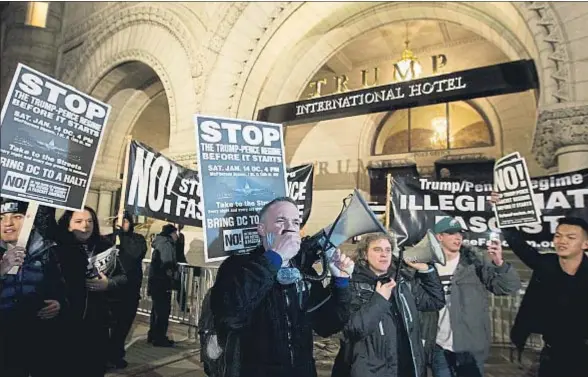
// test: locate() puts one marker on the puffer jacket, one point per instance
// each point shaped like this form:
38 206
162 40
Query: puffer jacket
383 337
38 279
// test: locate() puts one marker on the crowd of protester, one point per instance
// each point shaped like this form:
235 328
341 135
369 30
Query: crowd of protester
59 314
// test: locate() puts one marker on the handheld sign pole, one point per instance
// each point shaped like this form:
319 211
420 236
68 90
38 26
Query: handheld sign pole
388 199
123 192
25 231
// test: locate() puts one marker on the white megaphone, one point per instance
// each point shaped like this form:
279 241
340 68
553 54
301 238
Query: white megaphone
356 218
427 250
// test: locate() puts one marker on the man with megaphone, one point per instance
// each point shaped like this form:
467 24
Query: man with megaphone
265 312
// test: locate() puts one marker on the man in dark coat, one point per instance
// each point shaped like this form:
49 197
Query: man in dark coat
555 304
264 315
125 300
162 272
30 300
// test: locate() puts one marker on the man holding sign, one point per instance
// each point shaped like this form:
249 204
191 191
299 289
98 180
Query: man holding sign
555 304
29 300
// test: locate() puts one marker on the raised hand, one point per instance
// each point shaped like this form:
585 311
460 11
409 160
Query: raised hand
13 257
286 244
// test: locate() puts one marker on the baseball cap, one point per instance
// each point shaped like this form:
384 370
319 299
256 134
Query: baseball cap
447 225
13 206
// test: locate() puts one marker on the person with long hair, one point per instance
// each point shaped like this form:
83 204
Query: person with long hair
382 337
86 321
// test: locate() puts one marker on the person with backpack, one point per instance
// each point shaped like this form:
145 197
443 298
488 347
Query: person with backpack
264 313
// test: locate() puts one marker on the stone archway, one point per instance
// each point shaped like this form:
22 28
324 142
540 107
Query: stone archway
155 36
266 58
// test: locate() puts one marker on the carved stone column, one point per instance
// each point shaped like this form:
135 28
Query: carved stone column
34 46
561 137
106 188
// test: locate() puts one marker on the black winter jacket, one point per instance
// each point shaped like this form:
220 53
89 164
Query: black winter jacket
38 279
270 326
535 310
132 251
383 337
164 264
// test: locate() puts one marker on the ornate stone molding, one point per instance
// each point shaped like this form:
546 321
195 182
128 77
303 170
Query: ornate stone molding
105 184
129 16
559 126
90 77
398 162
549 36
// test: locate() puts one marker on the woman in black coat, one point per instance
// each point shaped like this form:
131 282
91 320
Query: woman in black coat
382 337
86 321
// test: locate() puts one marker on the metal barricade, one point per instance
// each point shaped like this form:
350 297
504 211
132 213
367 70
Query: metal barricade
503 311
186 303
195 282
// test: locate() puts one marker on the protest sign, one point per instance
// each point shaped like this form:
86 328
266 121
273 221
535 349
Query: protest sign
158 187
241 167
50 135
512 182
300 180
418 203
104 262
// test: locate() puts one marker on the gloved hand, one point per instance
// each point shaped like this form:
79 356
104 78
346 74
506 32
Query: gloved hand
341 266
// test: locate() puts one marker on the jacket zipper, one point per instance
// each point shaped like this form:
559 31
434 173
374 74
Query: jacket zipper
289 328
406 309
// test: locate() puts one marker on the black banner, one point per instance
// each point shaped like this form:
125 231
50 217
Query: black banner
300 181
512 77
158 187
418 203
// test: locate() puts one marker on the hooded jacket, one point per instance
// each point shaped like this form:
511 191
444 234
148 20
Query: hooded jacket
38 279
132 251
382 337
163 263
469 315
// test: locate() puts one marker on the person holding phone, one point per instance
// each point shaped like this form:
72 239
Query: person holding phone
463 334
382 337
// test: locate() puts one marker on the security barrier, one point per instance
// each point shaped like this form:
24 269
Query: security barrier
195 282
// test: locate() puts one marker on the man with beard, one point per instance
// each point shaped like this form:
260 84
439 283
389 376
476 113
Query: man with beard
30 300
555 304
125 300
264 313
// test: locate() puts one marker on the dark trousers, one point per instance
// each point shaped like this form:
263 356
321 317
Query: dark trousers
123 310
564 361
30 348
456 364
87 349
160 311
